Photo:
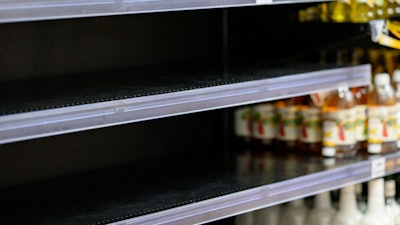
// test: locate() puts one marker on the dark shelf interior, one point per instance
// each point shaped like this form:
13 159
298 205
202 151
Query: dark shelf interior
111 195
49 93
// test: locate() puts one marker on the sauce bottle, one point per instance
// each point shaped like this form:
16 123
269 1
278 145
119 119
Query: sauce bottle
310 128
264 125
382 113
242 127
338 116
361 129
396 84
288 123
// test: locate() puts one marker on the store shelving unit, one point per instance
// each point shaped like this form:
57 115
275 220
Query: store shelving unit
15 11
145 102
124 195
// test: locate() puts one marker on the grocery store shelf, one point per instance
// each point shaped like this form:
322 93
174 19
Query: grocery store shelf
201 192
30 117
343 174
23 10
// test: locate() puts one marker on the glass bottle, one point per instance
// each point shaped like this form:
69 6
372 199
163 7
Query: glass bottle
396 84
382 113
348 213
310 128
361 96
392 206
380 9
264 125
338 117
269 215
295 213
242 127
288 123
339 11
322 212
361 11
376 213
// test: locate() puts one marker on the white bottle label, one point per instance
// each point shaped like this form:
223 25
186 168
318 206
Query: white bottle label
361 123
243 122
310 129
382 122
287 123
264 121
338 128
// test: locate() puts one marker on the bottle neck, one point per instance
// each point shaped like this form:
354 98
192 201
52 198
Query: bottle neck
323 200
297 202
348 200
376 196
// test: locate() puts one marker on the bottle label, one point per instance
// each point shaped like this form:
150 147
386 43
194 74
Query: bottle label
382 122
338 128
243 122
361 128
264 121
287 123
310 129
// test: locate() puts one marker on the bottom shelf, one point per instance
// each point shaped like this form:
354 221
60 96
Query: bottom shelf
194 190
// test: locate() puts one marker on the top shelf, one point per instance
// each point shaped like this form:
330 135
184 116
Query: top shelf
22 10
64 105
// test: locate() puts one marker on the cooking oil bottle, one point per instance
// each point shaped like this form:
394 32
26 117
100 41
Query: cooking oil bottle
339 11
361 11
380 9
338 116
310 128
382 113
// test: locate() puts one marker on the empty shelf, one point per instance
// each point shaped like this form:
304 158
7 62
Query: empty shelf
58 106
196 191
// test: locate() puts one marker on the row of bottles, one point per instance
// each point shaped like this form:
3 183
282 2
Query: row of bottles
355 11
347 121
340 123
381 207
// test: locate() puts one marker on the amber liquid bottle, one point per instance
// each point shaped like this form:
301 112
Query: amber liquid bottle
242 128
287 124
338 124
361 126
310 128
382 116
264 126
361 11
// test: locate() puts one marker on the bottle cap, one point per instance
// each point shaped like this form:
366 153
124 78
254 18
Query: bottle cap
390 188
396 76
382 79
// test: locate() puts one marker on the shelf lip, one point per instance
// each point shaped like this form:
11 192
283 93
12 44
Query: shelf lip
36 10
268 195
22 10
37 124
